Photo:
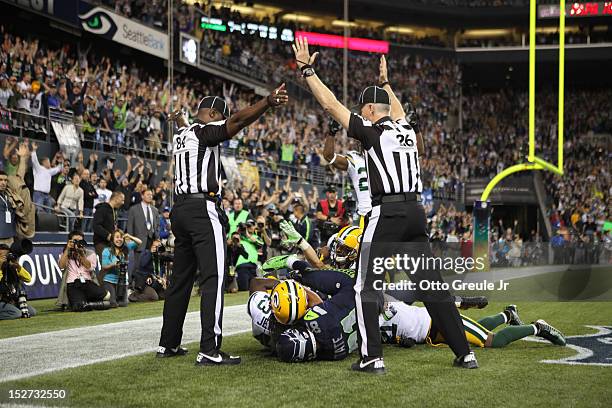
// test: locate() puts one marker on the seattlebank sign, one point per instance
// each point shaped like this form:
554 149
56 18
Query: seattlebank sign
103 22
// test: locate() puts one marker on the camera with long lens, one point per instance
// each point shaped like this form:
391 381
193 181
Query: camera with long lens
10 287
274 228
241 228
122 270
18 249
78 248
162 254
349 205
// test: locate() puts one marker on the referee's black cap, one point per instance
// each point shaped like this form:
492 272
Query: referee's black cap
374 94
217 103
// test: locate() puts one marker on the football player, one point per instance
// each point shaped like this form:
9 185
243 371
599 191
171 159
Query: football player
331 323
354 164
340 253
406 325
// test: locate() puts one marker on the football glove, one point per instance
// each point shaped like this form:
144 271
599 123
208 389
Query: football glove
333 126
469 302
275 263
293 238
295 275
405 341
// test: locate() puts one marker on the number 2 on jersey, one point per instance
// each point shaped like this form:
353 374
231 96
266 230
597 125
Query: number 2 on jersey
363 179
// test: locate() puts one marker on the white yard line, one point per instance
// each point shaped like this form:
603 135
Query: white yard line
35 354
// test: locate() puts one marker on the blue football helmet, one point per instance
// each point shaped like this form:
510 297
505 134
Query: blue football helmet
296 345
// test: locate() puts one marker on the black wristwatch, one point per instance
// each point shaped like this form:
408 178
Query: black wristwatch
307 70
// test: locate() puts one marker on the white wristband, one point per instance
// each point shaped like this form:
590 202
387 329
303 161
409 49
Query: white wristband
333 159
303 244
290 261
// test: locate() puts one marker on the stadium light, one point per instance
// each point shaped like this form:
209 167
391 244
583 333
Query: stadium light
297 17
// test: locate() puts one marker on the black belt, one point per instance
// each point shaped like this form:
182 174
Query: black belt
201 196
396 198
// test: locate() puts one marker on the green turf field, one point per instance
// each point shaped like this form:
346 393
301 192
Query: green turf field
49 318
421 376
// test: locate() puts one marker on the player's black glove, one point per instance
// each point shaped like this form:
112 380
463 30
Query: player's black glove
411 116
333 127
470 302
404 341
295 275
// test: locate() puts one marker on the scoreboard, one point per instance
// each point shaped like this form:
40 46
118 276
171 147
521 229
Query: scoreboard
577 9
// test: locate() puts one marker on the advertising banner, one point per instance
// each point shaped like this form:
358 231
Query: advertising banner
65 10
42 264
103 22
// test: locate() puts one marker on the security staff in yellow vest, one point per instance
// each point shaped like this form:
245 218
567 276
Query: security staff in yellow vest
237 216
246 267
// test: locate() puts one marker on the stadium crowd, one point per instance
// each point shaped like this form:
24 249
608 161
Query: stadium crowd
122 108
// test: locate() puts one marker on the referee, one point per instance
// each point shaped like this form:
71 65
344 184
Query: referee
200 226
397 215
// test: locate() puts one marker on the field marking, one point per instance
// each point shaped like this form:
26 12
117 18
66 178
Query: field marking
581 352
44 353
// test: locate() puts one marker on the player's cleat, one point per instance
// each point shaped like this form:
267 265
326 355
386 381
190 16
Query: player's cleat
468 361
470 302
546 331
164 352
371 365
511 312
216 358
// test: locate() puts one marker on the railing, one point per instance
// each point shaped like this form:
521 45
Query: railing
27 125
66 218
24 124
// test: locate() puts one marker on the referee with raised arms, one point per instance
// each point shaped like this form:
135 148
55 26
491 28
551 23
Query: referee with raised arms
200 226
390 147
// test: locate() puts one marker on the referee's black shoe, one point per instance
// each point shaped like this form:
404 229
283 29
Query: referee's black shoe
216 358
164 352
372 365
467 361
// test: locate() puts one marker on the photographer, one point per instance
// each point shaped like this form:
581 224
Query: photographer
300 220
13 302
84 293
237 216
8 223
271 231
150 276
246 266
115 265
330 214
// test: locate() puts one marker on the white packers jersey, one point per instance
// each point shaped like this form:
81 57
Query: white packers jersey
399 319
359 177
259 309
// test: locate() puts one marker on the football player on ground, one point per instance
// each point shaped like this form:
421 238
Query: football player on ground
295 322
321 329
406 325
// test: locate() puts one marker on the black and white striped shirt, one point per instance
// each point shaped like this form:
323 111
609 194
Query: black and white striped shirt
392 158
197 161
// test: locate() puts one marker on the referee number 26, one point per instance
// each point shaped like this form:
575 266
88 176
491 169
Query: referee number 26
404 140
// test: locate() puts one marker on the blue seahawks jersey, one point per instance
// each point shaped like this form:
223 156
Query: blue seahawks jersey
332 322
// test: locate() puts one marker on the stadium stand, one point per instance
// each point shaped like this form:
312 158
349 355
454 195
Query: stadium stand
122 108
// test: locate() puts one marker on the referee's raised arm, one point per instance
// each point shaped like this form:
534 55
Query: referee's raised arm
324 96
390 151
200 225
